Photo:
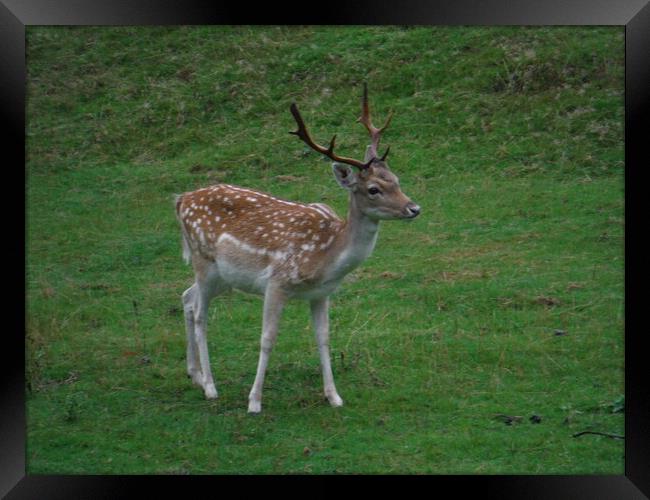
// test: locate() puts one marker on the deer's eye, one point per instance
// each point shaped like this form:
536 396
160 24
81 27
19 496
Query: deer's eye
373 190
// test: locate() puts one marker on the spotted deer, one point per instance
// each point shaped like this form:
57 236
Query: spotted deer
245 239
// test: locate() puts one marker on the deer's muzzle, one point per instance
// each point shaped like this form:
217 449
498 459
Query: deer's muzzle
412 210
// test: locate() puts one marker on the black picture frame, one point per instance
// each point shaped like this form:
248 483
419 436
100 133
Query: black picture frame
634 15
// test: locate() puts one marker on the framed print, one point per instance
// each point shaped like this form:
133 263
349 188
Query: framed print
487 340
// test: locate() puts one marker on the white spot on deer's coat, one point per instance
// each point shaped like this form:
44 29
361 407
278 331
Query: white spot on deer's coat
325 245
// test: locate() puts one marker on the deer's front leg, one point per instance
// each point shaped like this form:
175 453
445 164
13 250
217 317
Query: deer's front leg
320 319
274 300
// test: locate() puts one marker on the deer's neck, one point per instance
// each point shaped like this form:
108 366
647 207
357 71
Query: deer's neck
356 241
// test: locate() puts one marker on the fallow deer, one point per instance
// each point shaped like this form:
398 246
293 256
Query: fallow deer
252 241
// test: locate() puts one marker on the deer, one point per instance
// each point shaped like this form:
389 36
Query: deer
245 239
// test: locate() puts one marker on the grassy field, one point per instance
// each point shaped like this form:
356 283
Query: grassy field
503 301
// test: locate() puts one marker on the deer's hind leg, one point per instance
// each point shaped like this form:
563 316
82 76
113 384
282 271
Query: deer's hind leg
274 301
196 300
193 363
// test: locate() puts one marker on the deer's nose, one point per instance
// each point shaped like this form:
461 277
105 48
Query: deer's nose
413 210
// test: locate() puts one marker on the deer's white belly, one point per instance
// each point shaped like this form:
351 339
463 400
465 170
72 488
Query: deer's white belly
315 291
244 267
255 281
239 271
243 278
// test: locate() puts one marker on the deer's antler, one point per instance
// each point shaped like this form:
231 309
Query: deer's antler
375 133
303 134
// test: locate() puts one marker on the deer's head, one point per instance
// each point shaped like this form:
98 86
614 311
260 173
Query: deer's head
373 186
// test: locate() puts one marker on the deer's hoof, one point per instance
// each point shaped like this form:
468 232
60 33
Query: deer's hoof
210 391
254 407
335 400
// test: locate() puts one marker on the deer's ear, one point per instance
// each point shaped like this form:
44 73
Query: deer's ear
345 176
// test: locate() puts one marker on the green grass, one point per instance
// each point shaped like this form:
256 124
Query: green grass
511 140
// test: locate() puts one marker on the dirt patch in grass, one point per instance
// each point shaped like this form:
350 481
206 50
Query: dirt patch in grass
451 277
